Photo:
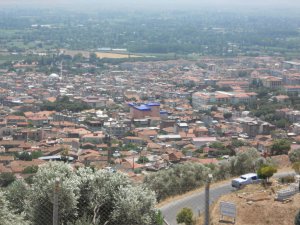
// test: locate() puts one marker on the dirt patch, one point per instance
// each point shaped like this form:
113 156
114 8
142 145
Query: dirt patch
114 55
282 161
109 55
256 206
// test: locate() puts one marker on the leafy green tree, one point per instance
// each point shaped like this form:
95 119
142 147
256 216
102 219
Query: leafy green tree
280 147
143 159
266 171
6 179
185 216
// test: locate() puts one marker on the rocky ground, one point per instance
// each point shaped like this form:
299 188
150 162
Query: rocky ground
256 205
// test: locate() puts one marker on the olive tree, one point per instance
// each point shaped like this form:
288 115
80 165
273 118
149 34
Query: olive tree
7 216
16 195
112 199
245 162
40 197
177 180
85 196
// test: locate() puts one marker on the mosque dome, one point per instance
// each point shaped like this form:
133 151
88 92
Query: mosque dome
54 76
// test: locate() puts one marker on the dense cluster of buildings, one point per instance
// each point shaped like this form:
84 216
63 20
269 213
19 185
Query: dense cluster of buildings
155 109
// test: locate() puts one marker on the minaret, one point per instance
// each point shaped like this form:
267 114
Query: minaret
61 70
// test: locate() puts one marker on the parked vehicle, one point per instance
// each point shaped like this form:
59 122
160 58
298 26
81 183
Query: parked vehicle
110 169
245 179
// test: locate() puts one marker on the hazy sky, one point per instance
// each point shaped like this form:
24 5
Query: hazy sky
156 4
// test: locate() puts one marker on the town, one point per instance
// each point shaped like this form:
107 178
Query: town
139 117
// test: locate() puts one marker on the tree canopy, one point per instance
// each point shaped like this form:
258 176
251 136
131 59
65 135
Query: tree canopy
84 194
280 147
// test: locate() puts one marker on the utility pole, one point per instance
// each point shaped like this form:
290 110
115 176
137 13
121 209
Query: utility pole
55 201
207 185
133 162
107 140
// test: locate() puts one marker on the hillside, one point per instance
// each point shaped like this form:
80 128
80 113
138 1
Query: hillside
256 205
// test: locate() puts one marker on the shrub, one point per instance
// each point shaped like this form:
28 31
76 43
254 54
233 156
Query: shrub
287 179
185 216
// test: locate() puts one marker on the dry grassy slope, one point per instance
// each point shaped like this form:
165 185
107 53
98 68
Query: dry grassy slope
265 211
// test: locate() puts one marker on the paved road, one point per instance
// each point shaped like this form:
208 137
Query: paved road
197 200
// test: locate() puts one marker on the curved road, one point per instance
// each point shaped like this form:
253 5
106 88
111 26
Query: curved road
197 200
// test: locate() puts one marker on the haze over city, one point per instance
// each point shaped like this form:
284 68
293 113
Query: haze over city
154 4
124 112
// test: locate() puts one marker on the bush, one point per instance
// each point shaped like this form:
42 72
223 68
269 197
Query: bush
185 216
287 179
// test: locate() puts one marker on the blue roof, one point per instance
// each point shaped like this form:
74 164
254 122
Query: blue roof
153 104
144 107
163 112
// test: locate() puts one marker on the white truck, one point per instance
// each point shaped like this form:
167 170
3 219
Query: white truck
245 179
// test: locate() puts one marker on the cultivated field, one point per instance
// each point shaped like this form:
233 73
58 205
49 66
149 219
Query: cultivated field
108 55
115 55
